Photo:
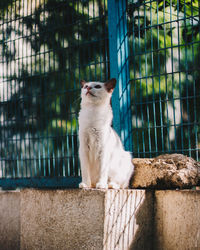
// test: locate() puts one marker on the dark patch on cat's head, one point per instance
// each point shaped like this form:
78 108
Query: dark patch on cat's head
82 82
110 85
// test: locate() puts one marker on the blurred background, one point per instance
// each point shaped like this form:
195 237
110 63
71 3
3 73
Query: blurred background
48 46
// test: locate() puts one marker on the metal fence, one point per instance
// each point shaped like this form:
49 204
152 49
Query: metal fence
164 58
47 46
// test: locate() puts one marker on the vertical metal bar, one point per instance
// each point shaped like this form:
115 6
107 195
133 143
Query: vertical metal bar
29 160
38 129
43 83
23 100
6 137
31 74
119 68
44 157
113 61
128 140
78 87
194 90
18 146
146 79
105 58
166 81
140 79
121 61
6 97
152 63
3 145
198 138
89 52
179 68
172 67
21 164
160 100
12 140
187 81
136 134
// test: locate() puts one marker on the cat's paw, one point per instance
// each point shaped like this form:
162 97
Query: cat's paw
113 185
101 185
83 185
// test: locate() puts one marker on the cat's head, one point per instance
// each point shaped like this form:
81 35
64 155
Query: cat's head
97 92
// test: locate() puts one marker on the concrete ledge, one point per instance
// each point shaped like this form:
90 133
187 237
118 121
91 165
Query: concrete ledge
177 220
99 219
9 220
85 219
128 219
69 219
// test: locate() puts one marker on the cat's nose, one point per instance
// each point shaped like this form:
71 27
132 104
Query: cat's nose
89 88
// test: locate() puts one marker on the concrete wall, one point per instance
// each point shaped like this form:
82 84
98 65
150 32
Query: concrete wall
70 219
177 220
9 220
128 220
85 219
99 219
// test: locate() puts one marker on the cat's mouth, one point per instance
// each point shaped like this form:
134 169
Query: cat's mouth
90 94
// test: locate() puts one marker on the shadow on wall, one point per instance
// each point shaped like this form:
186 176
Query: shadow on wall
129 220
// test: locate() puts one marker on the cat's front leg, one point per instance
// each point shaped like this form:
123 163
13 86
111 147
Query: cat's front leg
86 182
103 175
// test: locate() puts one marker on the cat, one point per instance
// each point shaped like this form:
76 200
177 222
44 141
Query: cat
104 162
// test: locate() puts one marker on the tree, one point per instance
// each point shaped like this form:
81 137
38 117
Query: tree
164 70
48 46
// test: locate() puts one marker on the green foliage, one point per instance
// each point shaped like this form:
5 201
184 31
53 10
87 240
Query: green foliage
48 46
56 43
164 71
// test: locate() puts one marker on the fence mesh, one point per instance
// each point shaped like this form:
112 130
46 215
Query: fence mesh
47 46
164 45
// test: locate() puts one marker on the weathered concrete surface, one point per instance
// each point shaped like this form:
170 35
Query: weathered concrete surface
62 219
86 219
9 220
100 219
177 220
128 220
166 172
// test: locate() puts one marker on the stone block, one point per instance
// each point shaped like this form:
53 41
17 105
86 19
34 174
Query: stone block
166 172
86 219
100 219
177 220
9 220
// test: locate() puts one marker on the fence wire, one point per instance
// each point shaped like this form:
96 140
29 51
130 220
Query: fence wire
164 42
47 46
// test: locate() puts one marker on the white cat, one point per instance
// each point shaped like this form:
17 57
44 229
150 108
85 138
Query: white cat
104 162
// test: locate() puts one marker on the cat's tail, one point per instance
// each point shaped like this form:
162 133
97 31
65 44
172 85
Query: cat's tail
131 177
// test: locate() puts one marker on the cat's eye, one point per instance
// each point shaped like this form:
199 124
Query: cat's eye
85 86
97 86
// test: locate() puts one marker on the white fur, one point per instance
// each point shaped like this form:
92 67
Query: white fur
104 163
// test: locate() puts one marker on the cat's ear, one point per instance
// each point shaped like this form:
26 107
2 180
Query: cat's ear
82 82
110 85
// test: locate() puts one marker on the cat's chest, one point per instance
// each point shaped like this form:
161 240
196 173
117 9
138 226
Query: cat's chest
92 135
94 125
93 139
94 119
